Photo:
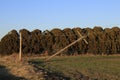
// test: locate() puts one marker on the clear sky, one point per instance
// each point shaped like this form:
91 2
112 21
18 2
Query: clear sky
49 14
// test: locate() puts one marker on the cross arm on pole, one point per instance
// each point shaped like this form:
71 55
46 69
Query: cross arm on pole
81 36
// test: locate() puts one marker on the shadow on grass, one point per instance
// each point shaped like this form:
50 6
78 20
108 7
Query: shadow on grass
54 75
51 75
5 75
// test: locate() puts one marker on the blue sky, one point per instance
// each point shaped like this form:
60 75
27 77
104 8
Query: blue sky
49 14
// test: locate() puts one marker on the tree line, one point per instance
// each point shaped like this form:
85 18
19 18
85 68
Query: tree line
101 41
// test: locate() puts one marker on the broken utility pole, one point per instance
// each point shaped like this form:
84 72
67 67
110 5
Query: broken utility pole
81 37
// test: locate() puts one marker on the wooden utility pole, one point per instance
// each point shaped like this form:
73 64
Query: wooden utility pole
65 48
20 50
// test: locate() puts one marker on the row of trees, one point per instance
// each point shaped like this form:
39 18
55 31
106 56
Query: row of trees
101 41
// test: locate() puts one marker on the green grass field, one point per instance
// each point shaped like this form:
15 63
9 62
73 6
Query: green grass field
95 67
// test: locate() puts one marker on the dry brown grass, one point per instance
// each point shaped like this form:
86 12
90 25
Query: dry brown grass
20 69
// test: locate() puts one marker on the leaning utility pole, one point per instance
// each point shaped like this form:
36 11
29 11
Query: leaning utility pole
20 50
81 37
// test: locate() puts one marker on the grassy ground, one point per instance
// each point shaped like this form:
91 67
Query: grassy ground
69 68
95 67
